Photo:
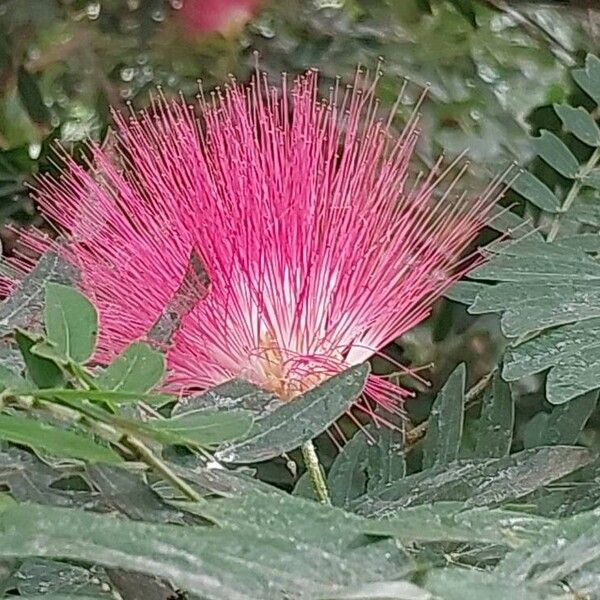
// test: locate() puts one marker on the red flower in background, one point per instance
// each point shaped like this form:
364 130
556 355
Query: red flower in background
319 246
207 16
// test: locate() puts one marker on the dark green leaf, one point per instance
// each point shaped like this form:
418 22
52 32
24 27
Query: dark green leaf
71 322
31 97
24 306
563 424
138 369
385 458
589 78
102 396
59 442
580 123
444 434
234 394
556 154
29 479
495 426
279 537
42 371
12 383
127 493
372 459
571 352
205 427
477 482
542 285
448 521
466 8
566 548
299 420
347 478
538 193
49 578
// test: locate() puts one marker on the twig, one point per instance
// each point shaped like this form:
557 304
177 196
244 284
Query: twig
572 195
146 455
418 432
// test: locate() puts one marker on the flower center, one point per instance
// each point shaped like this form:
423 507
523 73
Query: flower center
288 374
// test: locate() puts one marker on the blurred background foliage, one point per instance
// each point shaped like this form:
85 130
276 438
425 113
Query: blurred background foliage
493 70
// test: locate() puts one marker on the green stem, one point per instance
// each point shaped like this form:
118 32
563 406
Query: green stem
572 195
311 461
112 435
141 450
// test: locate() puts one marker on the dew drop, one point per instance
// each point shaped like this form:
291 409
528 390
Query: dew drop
158 15
127 73
92 10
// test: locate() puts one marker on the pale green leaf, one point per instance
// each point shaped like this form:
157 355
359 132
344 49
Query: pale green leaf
442 441
71 322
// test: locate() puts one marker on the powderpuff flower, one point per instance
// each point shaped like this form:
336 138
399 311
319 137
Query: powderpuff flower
318 245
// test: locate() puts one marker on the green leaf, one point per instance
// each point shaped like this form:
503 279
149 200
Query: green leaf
25 304
127 493
299 420
59 580
449 522
231 395
280 538
541 285
442 442
385 458
59 442
563 424
470 584
205 427
571 352
495 425
347 477
102 396
31 97
464 292
138 369
592 179
382 590
372 459
477 482
73 596
42 371
538 193
71 322
588 79
585 242
507 222
566 547
556 154
13 383
30 479
580 123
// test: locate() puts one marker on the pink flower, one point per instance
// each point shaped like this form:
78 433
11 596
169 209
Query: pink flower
319 246
206 16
